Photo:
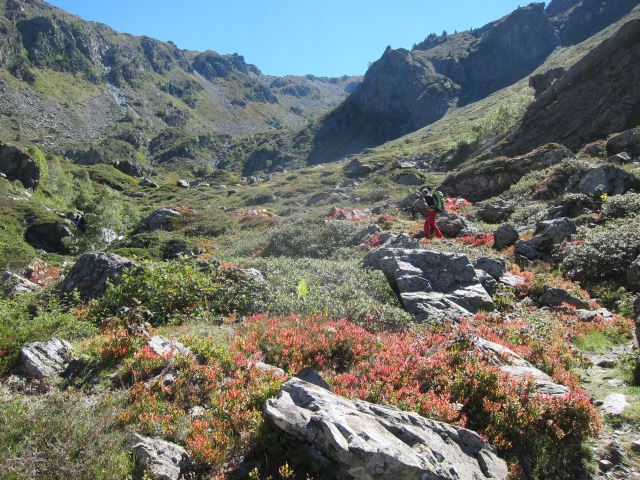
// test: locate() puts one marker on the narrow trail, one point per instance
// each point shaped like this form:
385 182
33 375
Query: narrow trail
617 449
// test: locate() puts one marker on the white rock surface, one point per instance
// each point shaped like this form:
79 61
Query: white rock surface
160 459
374 442
45 359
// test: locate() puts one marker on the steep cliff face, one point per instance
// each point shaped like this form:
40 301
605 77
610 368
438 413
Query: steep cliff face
406 90
577 20
597 96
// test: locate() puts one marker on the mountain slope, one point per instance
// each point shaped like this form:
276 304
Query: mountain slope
66 82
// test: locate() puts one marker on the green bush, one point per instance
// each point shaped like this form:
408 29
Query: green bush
62 436
603 253
177 291
205 224
312 237
31 318
336 289
622 206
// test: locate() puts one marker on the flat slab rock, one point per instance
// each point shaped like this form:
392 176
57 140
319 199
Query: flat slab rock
614 405
432 284
159 459
510 362
45 359
374 442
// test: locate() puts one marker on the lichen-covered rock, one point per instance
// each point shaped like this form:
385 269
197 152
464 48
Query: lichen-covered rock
356 169
12 284
414 203
548 234
159 220
494 266
452 225
505 236
608 178
513 364
159 459
374 442
496 211
165 347
45 359
432 284
625 142
91 272
555 297
18 165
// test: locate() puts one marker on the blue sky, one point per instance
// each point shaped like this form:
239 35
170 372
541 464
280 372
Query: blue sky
324 38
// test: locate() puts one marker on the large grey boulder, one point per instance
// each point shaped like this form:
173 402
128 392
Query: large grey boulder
374 442
505 236
12 284
356 169
414 203
627 141
497 211
452 225
510 362
432 284
548 234
161 219
608 178
45 359
494 266
555 297
49 236
91 272
18 165
159 459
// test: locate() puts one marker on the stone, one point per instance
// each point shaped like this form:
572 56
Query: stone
596 149
496 212
488 282
51 237
147 182
161 219
633 275
511 280
414 203
620 158
608 178
252 274
555 297
168 348
625 142
356 169
41 360
431 284
402 240
614 404
635 445
451 225
159 459
496 267
309 375
91 273
373 442
265 367
409 178
548 234
586 315
510 362
505 236
13 284
18 165
182 184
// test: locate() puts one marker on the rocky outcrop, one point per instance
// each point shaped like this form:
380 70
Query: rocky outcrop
374 442
513 364
556 297
496 212
356 169
406 90
452 225
158 459
607 178
91 272
625 142
49 236
414 203
18 165
168 348
488 178
432 285
597 96
494 266
41 360
548 234
12 284
505 236
160 219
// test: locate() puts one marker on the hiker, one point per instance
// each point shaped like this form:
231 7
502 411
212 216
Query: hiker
435 202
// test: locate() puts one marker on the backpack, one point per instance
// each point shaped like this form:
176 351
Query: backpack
439 201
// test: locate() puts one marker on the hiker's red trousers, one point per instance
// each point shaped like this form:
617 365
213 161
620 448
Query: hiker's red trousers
430 225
